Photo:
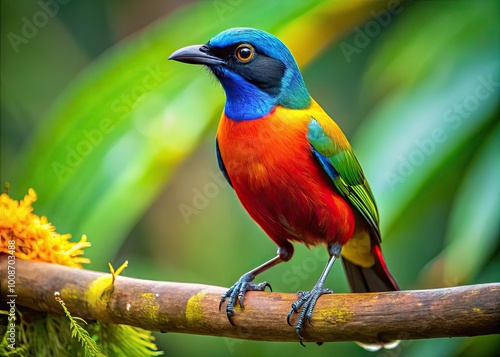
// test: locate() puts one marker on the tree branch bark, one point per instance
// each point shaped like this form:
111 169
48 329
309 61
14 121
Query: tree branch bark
193 308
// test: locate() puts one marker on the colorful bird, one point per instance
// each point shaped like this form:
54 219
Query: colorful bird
290 165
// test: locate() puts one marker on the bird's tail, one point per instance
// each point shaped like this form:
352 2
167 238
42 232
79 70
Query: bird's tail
372 279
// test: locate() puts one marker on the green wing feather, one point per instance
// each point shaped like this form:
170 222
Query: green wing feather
346 173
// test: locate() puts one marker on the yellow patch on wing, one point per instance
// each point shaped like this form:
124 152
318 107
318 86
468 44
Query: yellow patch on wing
358 250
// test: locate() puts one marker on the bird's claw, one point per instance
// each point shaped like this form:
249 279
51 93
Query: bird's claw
238 291
295 307
306 301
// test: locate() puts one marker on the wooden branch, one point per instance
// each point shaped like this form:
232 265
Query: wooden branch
193 308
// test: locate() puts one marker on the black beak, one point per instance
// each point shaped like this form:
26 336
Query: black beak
196 54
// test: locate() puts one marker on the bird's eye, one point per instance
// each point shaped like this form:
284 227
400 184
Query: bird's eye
245 53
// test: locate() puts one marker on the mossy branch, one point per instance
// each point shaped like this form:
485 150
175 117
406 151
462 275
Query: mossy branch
192 308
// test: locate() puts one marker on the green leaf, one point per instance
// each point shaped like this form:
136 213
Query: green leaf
431 97
474 227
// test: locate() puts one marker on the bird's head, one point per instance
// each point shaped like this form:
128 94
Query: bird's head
256 69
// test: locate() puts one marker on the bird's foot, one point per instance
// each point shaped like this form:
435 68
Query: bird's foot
238 291
307 300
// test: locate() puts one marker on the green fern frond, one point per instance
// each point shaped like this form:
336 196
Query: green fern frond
82 336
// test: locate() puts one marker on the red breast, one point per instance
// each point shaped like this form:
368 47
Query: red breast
279 182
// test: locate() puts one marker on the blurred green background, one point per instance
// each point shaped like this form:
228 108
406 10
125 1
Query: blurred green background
119 143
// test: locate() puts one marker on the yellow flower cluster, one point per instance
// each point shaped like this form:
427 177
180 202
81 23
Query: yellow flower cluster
33 237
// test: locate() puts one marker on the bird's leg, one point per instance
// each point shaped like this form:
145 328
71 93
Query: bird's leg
245 283
307 299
